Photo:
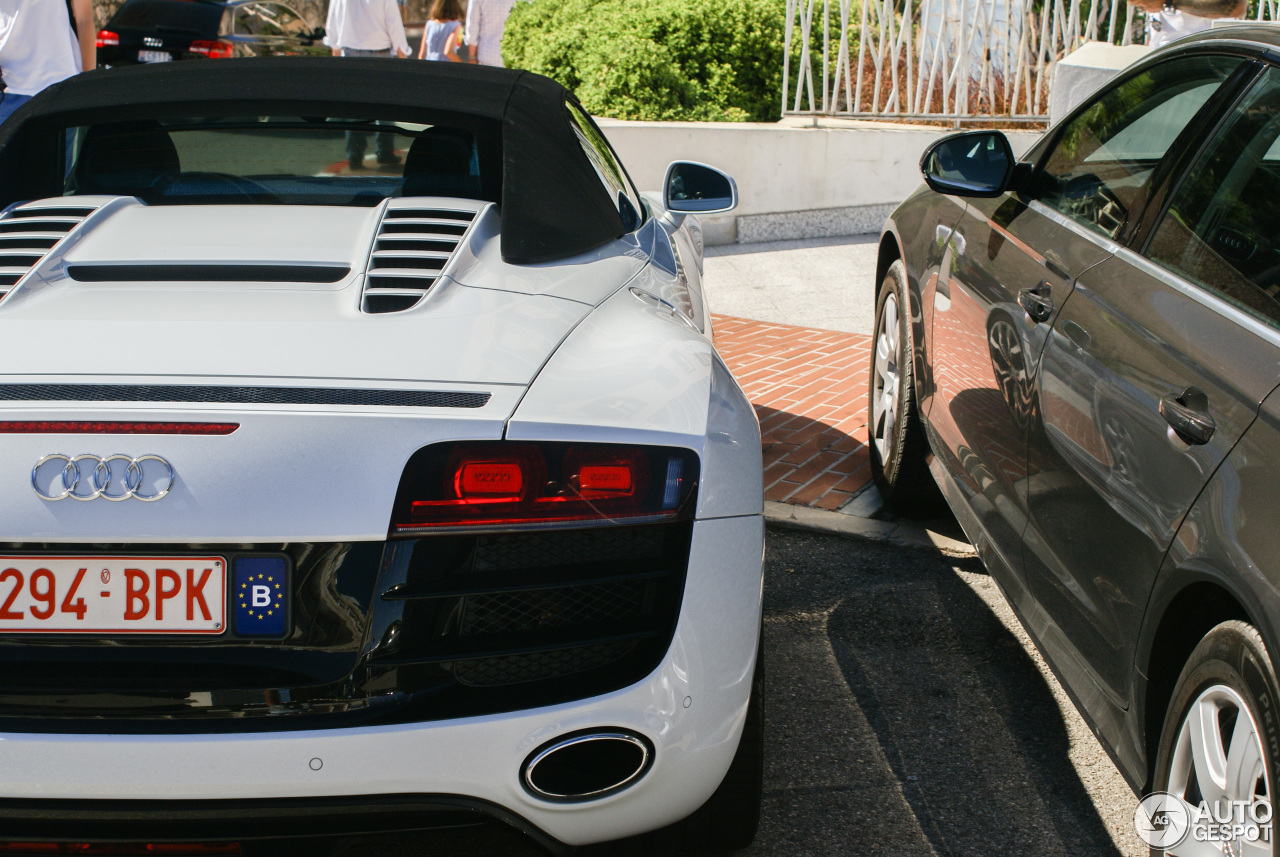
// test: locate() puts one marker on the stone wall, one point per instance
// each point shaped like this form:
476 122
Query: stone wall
796 179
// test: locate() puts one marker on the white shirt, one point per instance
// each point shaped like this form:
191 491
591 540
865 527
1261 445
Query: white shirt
486 20
38 48
366 25
1167 26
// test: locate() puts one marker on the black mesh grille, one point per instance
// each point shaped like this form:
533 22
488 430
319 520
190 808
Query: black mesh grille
504 612
598 604
239 395
588 546
538 666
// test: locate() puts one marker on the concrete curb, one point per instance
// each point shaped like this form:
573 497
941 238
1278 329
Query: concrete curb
904 535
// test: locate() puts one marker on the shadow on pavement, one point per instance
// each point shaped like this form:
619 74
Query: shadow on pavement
961 742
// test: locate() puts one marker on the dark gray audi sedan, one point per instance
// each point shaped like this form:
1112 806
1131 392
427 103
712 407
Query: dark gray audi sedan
1081 348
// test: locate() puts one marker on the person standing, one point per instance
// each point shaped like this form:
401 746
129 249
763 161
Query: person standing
40 46
366 28
443 33
486 20
1171 20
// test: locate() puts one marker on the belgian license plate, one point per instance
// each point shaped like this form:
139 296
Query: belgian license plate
154 56
113 595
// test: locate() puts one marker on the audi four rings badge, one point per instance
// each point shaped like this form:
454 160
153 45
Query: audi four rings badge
88 477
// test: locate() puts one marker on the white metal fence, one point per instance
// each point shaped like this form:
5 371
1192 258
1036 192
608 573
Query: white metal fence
943 59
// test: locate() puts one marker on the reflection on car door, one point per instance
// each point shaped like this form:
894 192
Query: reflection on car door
1014 264
1149 378
982 343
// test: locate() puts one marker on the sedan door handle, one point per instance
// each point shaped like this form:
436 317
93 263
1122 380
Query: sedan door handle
1037 302
1187 413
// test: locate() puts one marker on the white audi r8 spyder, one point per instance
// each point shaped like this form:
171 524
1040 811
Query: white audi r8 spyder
367 465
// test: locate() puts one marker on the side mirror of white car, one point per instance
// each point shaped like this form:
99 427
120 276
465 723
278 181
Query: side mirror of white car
698 189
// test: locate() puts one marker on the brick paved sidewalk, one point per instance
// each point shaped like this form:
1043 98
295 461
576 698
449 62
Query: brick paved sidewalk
809 390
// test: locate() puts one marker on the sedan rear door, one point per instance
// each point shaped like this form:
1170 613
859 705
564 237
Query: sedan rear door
1154 369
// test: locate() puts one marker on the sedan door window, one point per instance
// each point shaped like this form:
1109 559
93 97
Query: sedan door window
1220 230
1100 166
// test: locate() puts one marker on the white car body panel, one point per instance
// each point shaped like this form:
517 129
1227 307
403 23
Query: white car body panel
310 235
589 278
610 347
283 330
609 382
298 476
458 335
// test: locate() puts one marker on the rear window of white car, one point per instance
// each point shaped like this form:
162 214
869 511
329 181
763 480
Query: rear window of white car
281 160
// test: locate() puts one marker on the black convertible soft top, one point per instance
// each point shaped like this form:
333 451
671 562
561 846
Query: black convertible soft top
552 203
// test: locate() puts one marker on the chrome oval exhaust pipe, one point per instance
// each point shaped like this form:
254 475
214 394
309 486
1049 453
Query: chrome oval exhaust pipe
586 765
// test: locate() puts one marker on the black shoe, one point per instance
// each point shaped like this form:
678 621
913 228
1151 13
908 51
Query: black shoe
355 162
388 158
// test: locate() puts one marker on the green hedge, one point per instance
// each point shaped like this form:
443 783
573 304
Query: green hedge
656 59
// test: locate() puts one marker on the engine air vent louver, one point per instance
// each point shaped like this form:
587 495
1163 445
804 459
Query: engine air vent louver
29 232
414 243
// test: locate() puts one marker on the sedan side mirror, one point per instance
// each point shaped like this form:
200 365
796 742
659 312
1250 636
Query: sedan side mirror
971 163
698 188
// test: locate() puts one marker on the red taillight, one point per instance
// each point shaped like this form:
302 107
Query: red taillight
606 478
489 480
85 427
212 50
516 485
107 39
604 472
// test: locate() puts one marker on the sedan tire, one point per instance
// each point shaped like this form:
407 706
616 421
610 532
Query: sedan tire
899 448
1216 737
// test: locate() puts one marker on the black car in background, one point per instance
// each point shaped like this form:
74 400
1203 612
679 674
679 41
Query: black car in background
149 31
1081 348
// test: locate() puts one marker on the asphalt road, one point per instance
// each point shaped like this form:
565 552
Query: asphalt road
907 714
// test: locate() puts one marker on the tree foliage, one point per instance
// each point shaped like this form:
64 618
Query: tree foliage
658 59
